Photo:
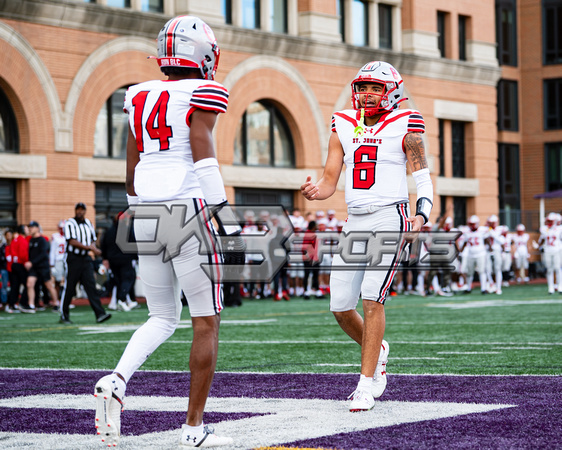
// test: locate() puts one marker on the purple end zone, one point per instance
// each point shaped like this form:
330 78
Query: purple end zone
534 422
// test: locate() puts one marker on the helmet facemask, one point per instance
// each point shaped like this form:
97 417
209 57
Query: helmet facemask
383 103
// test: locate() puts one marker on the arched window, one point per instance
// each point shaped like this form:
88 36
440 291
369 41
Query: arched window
9 134
263 138
110 139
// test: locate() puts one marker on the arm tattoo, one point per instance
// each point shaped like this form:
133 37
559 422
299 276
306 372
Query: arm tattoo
415 151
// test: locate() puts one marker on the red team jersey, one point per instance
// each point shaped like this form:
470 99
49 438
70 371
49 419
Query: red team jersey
165 171
376 161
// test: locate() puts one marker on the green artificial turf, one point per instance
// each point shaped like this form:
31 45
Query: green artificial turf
519 332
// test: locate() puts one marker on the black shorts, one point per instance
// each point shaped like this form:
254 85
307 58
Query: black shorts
42 274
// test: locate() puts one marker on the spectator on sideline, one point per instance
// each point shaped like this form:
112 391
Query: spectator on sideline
80 238
4 274
38 267
9 236
19 252
120 264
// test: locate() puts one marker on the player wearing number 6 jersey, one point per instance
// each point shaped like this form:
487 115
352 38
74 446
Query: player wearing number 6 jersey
171 161
374 140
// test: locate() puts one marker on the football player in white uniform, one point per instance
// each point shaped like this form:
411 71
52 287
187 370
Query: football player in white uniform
521 253
549 243
57 252
374 140
494 254
507 259
171 161
474 241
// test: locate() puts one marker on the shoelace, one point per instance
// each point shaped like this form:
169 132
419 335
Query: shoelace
355 392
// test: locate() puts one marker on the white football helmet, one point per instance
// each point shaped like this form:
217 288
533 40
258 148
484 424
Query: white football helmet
551 219
383 73
187 41
474 222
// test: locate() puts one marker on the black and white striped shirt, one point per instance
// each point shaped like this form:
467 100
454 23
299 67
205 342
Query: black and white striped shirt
83 232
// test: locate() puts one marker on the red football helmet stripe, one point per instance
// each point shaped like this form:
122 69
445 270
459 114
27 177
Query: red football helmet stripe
170 37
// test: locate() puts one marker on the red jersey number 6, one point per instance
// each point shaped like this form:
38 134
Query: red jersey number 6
364 158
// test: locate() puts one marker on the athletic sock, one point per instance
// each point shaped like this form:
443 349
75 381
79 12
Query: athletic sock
365 383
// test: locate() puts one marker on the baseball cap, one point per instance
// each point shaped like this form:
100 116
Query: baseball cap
80 205
33 223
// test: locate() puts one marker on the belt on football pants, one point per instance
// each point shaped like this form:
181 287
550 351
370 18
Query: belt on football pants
369 209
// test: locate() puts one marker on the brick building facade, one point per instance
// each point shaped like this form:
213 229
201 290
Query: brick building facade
288 64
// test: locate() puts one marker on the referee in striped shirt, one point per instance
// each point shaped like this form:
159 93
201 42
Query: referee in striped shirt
80 237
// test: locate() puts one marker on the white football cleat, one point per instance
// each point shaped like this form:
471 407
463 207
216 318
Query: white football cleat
379 380
108 410
361 401
209 438
122 306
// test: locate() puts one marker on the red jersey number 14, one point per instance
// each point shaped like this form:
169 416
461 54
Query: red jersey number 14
156 125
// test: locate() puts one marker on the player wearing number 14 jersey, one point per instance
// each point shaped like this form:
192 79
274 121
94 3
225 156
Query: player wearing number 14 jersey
171 162
374 140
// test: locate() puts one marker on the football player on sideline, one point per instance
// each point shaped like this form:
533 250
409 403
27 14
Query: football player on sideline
374 140
171 161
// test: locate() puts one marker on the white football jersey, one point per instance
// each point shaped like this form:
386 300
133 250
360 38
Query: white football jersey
520 243
551 237
495 238
375 161
57 248
475 241
160 118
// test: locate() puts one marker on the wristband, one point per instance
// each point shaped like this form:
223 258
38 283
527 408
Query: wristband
423 208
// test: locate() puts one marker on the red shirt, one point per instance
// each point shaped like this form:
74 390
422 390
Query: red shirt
20 250
8 252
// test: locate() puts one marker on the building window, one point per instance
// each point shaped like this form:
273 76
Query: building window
264 197
112 128
441 32
263 138
459 210
8 204
9 135
110 199
506 32
552 31
278 10
118 3
553 166
443 205
226 9
360 16
508 178
463 23
508 109
340 10
156 6
250 13
385 26
441 147
553 104
458 133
